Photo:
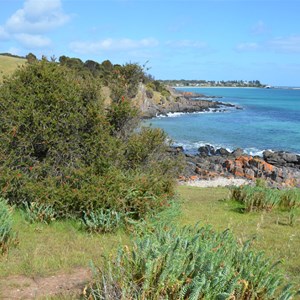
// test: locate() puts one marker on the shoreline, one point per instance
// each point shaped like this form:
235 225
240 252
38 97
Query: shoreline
217 87
220 167
183 102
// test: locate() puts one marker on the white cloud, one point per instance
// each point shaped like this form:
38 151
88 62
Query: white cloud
187 44
290 44
249 46
33 40
28 26
37 16
89 47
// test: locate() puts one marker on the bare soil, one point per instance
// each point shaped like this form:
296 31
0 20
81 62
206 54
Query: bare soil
22 287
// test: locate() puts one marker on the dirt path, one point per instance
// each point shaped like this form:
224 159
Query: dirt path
22 287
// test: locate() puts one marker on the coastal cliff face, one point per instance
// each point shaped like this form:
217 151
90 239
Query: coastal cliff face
153 103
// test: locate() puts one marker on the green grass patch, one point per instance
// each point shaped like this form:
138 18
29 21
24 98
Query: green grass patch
61 246
269 231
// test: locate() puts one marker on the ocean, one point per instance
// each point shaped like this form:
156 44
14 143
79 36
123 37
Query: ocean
269 120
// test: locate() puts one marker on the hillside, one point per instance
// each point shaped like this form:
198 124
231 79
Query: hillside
9 64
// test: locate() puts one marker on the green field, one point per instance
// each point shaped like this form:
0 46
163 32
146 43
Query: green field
9 64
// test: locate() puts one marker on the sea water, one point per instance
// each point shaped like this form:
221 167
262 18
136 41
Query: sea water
269 119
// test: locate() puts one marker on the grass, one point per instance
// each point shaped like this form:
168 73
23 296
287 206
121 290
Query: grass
61 246
269 231
9 64
45 250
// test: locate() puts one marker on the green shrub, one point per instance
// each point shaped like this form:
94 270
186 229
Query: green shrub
103 220
256 198
187 263
7 236
290 198
260 197
62 148
39 212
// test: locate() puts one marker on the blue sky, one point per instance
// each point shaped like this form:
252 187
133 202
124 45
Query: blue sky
204 39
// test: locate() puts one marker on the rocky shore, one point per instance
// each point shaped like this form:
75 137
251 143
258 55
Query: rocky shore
278 169
181 102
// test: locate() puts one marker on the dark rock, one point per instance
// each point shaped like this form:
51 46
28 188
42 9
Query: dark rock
290 157
238 152
222 152
282 159
206 150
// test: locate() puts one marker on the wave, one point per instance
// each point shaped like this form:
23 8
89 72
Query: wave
221 109
192 148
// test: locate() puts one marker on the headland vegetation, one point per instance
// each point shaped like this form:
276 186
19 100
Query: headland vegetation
82 180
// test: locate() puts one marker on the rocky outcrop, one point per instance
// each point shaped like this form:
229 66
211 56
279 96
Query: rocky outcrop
282 159
155 104
210 163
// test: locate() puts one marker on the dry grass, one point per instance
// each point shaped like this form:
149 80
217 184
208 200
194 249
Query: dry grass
9 64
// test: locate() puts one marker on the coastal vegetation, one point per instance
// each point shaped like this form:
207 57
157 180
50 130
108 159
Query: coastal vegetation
258 198
79 173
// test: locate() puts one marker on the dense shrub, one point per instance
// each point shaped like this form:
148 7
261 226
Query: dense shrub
62 148
7 236
187 263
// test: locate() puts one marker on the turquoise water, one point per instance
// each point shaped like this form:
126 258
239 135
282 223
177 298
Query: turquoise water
270 119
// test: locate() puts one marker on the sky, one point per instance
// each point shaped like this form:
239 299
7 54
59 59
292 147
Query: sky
200 39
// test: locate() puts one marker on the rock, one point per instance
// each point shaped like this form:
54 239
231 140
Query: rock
206 150
238 171
290 157
238 152
222 152
282 159
249 174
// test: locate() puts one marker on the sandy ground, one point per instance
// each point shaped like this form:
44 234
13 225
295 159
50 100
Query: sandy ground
219 181
23 287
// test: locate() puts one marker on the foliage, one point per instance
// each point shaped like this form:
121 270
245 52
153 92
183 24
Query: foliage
61 147
39 212
262 198
103 220
122 117
7 236
257 198
187 263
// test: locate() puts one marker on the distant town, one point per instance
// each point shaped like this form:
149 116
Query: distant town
213 83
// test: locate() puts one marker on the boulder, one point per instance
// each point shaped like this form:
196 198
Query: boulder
206 150
238 152
222 152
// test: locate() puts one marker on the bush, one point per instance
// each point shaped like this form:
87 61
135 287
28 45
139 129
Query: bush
62 148
103 220
262 198
257 198
187 263
39 212
7 236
